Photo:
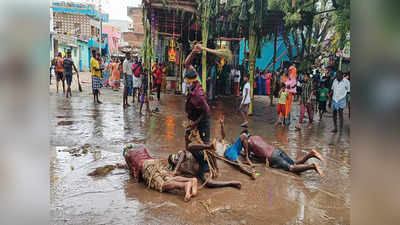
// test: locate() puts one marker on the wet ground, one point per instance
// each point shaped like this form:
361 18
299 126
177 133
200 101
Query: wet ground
275 197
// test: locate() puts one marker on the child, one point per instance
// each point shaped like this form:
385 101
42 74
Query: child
143 93
283 95
322 99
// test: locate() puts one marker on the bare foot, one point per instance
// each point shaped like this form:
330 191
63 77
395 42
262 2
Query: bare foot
317 155
214 144
127 105
298 128
276 123
194 187
237 185
318 170
187 197
309 126
253 176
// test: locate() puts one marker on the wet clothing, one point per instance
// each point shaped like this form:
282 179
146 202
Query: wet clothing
245 108
204 129
154 175
203 165
196 105
280 160
281 109
233 151
322 106
135 159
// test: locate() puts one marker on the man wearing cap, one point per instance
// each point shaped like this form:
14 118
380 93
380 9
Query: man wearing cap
196 105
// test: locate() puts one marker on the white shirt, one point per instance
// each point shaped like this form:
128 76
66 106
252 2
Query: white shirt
127 67
246 87
237 79
340 89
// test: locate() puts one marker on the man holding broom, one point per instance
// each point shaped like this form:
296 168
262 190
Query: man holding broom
68 65
197 107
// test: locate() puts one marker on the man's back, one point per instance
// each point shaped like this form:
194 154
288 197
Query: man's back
260 148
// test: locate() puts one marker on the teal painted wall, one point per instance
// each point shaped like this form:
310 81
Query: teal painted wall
83 62
74 52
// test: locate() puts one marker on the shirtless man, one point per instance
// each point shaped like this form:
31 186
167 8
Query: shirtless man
267 153
191 162
144 167
276 158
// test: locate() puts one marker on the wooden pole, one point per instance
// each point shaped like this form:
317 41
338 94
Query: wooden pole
275 43
252 60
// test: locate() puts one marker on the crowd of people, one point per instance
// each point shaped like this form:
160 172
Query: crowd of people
199 156
201 152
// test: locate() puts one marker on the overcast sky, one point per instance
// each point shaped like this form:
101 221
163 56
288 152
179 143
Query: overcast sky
116 9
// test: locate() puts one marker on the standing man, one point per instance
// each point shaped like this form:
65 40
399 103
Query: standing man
60 71
305 101
136 79
244 105
158 80
68 64
96 75
196 104
236 81
128 79
340 89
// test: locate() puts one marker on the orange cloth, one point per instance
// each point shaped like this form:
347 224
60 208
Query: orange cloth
288 104
60 65
115 75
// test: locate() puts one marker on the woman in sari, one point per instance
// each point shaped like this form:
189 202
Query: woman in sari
115 76
106 73
291 88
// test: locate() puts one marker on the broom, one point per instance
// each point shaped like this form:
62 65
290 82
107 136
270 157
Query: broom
79 83
223 53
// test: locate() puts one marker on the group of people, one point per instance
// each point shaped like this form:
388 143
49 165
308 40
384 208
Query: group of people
62 67
314 93
198 159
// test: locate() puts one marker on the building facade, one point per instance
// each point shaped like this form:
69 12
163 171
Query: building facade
113 36
76 27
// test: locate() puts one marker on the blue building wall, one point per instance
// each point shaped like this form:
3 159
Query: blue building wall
267 53
83 56
79 8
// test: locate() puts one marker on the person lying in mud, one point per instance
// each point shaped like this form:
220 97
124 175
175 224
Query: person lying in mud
196 162
271 155
144 168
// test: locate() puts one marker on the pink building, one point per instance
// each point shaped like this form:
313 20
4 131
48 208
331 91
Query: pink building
114 35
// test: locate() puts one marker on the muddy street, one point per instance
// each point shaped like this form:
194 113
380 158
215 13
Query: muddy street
85 136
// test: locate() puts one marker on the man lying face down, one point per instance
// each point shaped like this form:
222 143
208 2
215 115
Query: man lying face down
271 155
154 175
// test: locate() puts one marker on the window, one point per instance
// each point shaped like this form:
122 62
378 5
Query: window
77 28
58 25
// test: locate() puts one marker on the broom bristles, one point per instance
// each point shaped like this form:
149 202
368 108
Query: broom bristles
224 53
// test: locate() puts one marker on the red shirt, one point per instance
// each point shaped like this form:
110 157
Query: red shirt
158 75
196 103
135 159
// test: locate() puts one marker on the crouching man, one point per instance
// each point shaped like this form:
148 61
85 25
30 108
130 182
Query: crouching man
154 175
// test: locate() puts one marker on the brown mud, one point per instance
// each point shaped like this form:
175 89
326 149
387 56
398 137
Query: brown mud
275 197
